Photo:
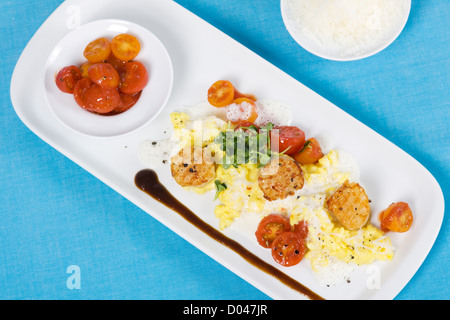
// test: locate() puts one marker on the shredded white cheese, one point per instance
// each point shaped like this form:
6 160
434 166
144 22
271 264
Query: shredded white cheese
347 27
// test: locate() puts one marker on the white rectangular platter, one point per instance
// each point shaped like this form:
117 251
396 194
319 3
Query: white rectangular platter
201 54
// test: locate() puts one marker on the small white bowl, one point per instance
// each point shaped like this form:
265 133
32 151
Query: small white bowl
69 51
315 48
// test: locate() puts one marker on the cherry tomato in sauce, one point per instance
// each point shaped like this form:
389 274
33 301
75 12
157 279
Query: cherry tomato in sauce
134 78
67 78
288 249
98 50
270 227
221 93
128 100
125 47
95 98
85 69
397 217
290 139
119 65
104 75
310 153
80 91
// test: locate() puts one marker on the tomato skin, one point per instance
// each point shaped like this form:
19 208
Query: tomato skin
102 99
270 227
238 95
119 65
95 98
301 228
85 69
125 47
104 75
80 90
310 153
67 78
221 93
127 101
290 139
397 217
246 124
98 50
288 249
134 78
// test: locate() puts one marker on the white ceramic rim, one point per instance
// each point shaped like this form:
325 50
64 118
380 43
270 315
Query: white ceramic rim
301 41
126 122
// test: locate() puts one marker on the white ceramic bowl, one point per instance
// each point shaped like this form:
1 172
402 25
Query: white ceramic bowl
317 49
69 51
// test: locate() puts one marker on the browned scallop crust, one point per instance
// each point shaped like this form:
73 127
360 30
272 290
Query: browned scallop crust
280 178
192 168
350 205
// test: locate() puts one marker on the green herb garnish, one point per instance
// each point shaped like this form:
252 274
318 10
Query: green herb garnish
219 188
246 145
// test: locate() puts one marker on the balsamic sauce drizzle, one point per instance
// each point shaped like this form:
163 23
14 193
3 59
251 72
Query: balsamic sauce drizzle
147 181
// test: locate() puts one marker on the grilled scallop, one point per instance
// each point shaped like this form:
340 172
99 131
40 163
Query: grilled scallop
350 205
280 178
192 168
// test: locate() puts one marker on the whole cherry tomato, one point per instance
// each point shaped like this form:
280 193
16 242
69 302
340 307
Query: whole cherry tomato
134 78
98 50
270 227
290 139
125 47
67 78
104 75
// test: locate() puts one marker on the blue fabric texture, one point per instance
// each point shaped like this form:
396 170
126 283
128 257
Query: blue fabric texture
53 214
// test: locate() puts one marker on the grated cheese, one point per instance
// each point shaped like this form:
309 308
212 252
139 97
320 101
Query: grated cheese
347 27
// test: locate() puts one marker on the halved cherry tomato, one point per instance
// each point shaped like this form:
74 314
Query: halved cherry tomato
288 249
238 95
125 47
119 65
397 217
98 50
134 78
84 68
290 139
310 153
221 93
242 110
104 75
301 228
102 99
79 92
270 227
67 78
95 98
246 124
128 100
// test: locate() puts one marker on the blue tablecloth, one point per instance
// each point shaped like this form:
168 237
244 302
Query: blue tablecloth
53 214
